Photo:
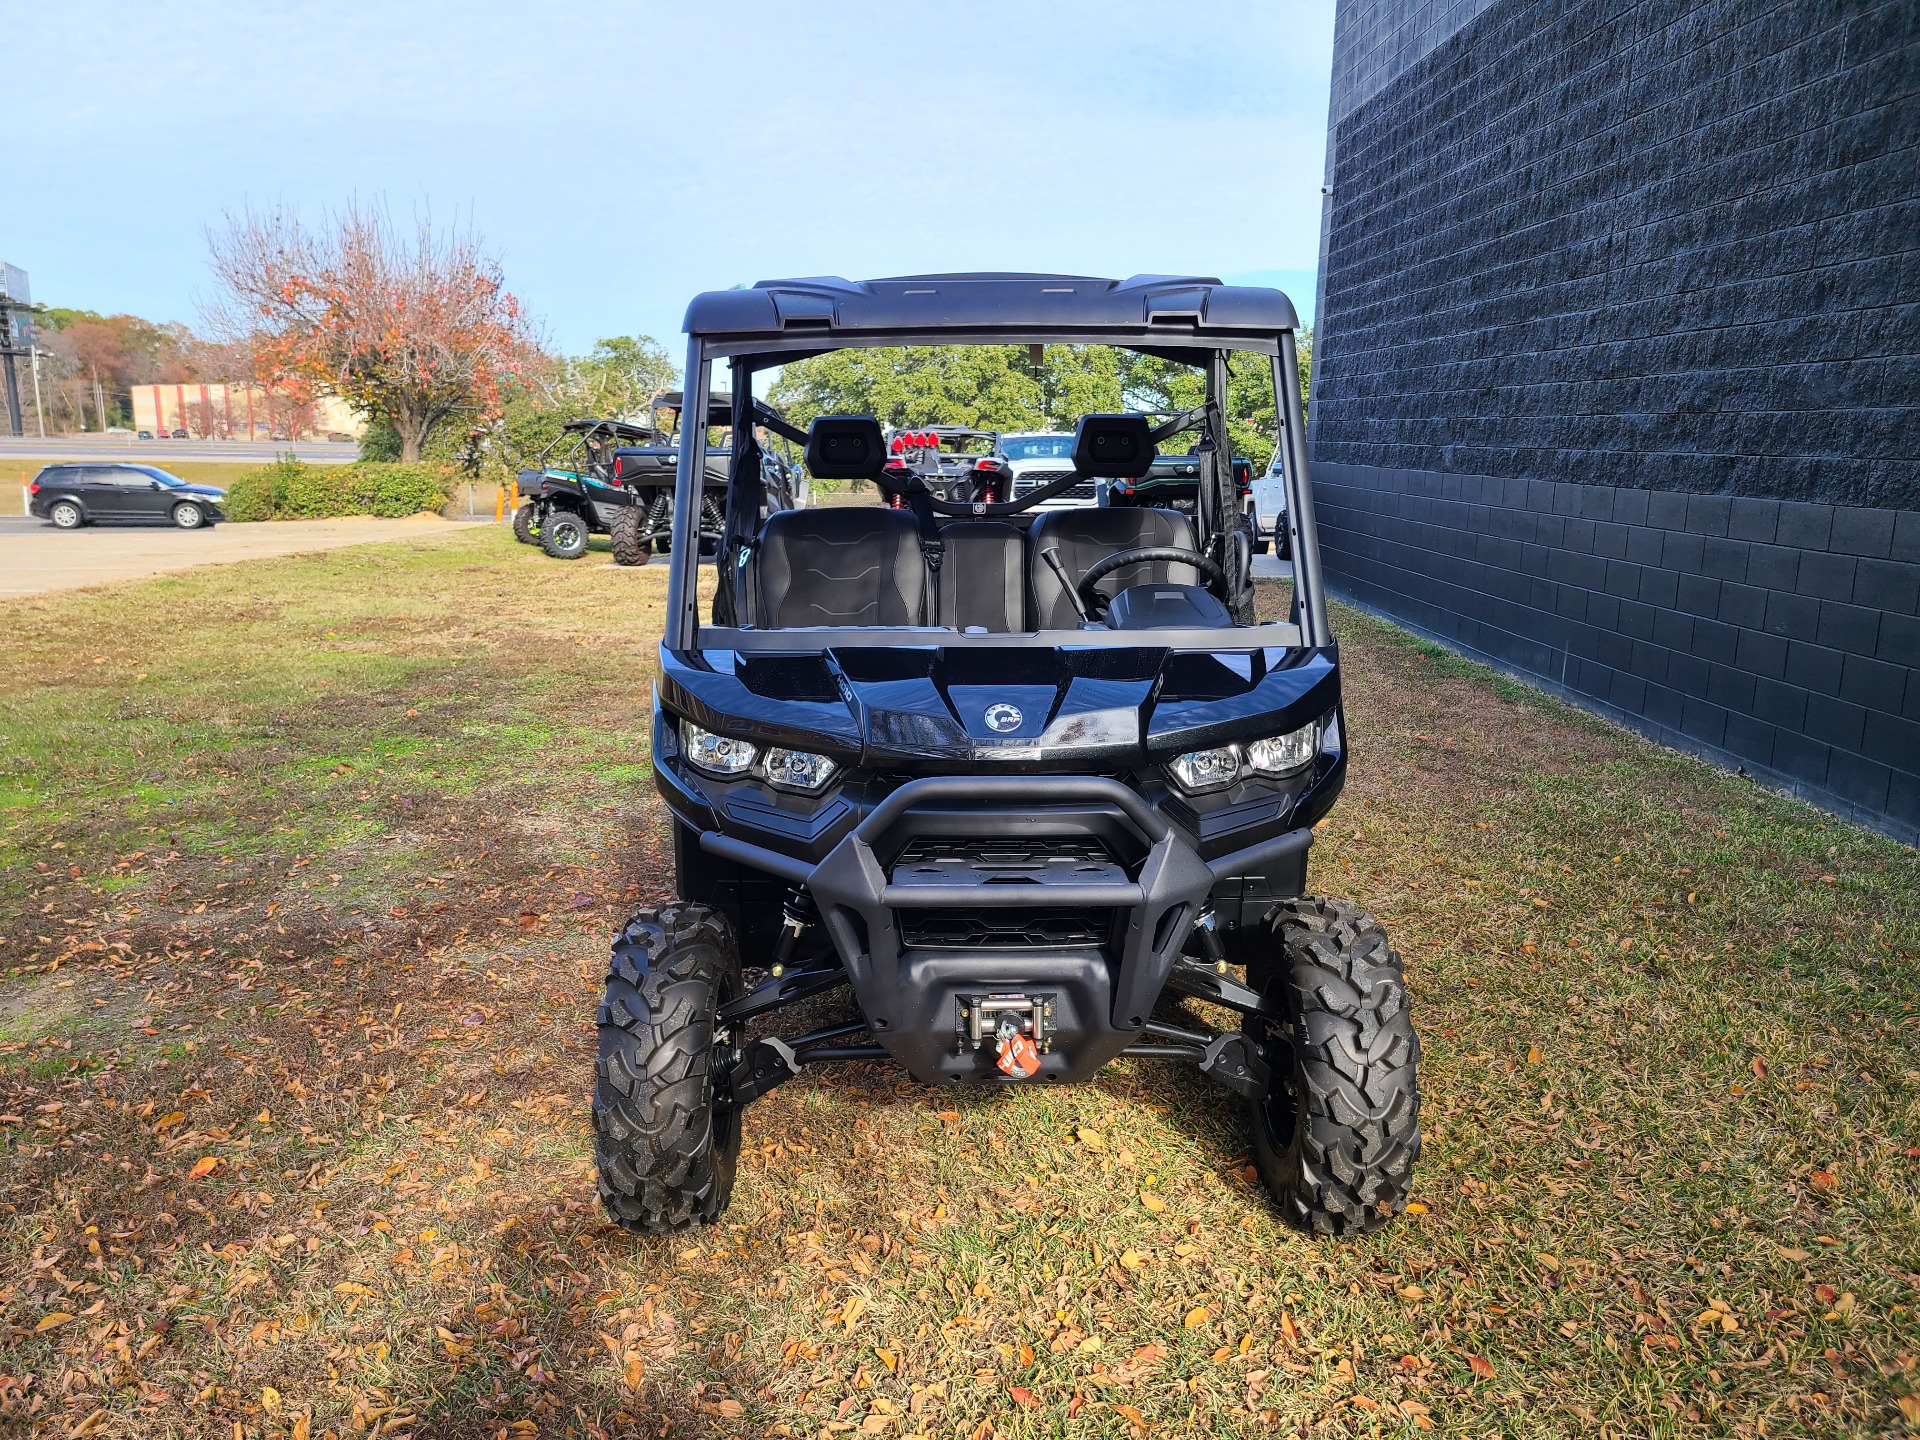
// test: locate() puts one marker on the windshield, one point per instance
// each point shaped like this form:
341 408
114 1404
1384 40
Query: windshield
937 536
172 482
1037 447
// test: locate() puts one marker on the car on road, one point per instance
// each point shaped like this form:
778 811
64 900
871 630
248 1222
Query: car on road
70 496
146 435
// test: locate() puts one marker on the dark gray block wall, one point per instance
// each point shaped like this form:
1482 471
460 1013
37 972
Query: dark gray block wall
1617 372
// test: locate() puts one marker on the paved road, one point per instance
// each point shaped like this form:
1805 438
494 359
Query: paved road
158 452
36 559
1271 567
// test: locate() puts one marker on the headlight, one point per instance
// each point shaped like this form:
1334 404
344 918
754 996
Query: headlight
715 754
1284 754
797 770
1200 770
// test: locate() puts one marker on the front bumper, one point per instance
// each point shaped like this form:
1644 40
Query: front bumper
915 994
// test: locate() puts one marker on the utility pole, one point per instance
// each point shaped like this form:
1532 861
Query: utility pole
39 415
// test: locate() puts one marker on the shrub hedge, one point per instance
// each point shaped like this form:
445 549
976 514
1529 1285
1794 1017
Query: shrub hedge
290 489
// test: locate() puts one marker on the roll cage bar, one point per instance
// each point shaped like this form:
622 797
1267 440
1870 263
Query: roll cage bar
750 350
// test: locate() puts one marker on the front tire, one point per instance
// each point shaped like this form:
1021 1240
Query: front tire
564 535
625 526
66 515
524 528
1337 1135
188 516
665 1145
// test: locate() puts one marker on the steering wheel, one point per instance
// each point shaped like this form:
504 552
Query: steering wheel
1146 555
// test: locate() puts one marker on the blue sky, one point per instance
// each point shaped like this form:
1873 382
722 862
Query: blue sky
619 158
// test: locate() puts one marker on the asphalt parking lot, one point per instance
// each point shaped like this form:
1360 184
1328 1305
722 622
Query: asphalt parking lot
36 559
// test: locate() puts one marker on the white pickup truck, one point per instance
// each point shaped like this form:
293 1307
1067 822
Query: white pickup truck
1038 457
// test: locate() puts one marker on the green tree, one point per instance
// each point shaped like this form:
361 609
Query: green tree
1000 387
619 376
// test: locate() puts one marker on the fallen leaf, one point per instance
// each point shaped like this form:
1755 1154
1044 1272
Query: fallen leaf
852 1311
1414 1207
1133 1260
1152 1201
1131 1414
1092 1139
634 1371
1412 1292
302 1428
269 1399
1196 1317
1535 1055
1026 1399
1480 1366
203 1167
172 1117
1787 1252
351 1287
52 1321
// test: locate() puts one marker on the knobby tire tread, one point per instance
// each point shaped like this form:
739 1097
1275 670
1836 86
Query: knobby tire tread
1347 1165
666 1151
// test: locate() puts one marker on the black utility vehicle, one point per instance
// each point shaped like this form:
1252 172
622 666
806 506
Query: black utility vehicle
613 478
91 494
1173 483
650 472
1025 788
574 493
954 462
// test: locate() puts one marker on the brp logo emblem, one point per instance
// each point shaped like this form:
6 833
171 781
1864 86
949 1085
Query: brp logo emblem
1004 717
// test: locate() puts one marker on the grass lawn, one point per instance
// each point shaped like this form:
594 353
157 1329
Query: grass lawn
307 870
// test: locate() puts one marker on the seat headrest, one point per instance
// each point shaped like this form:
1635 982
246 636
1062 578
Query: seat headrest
845 447
1113 447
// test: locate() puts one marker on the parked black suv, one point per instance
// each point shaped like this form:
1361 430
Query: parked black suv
87 494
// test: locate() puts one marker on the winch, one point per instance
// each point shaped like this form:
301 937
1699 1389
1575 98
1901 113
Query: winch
1018 1026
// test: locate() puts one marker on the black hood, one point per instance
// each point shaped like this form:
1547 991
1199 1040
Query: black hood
1074 707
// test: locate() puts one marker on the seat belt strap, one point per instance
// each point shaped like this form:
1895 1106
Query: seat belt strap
932 547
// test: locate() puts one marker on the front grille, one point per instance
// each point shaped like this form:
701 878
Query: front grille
1002 855
1005 929
1032 480
957 864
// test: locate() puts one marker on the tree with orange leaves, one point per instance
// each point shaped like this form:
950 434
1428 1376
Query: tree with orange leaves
413 331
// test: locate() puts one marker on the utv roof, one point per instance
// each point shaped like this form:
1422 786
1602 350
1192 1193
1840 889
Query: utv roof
719 405
619 429
1183 307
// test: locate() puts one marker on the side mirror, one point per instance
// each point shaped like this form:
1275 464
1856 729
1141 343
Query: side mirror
845 447
1113 447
